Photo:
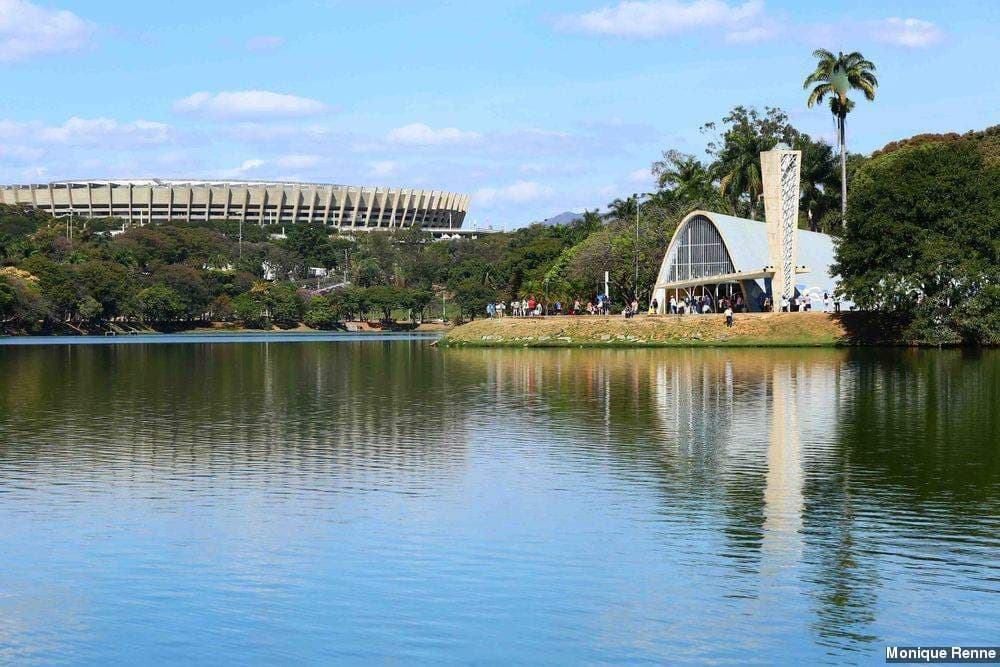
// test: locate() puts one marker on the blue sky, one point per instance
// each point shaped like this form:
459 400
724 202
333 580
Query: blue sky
532 108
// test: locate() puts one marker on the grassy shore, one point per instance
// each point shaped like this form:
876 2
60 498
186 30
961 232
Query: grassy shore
749 330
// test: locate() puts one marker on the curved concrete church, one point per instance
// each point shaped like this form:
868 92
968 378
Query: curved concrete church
722 255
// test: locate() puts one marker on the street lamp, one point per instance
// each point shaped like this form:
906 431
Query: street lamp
638 204
69 221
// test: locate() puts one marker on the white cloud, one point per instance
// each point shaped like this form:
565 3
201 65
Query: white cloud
640 177
752 34
297 161
89 131
86 132
259 43
246 167
423 135
909 33
657 18
14 154
27 30
384 168
517 193
250 104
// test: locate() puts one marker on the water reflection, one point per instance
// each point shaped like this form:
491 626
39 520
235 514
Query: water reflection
477 504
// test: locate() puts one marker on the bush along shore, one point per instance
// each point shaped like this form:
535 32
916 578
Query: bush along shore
749 330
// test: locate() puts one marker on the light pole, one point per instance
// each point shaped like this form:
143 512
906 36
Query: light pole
69 221
638 204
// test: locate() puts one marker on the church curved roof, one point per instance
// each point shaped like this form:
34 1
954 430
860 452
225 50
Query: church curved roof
746 243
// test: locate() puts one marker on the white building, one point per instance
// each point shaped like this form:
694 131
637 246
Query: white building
258 202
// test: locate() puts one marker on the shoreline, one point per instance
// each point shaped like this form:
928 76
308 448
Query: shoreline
224 328
808 329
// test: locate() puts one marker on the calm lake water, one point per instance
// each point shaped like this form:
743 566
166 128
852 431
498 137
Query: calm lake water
372 501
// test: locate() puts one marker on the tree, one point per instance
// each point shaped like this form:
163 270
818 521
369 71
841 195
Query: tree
835 76
819 180
368 272
160 303
321 313
353 302
249 309
88 308
384 298
922 241
311 243
684 178
285 304
58 283
472 296
108 283
417 300
21 301
746 134
613 249
187 283
221 308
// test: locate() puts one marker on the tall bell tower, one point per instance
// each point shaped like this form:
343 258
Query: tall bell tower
781 172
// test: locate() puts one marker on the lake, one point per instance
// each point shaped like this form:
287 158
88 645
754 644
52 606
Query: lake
368 500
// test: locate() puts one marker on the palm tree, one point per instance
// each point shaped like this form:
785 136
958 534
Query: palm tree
819 178
739 167
621 209
835 76
684 177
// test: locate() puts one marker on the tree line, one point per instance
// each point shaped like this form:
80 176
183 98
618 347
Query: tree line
920 243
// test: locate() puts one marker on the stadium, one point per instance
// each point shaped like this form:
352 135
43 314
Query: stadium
259 202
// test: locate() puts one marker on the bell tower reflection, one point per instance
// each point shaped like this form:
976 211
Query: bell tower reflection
783 502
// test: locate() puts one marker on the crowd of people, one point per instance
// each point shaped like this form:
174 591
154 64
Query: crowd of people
678 305
531 307
804 303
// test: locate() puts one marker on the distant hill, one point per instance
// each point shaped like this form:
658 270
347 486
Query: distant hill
563 218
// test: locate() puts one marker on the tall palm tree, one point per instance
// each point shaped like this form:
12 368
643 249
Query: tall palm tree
835 76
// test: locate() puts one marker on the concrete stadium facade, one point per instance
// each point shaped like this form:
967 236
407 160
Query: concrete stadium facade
260 202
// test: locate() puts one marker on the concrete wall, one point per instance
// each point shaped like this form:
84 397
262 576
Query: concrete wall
261 203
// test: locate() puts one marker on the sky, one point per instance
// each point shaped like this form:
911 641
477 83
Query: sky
532 108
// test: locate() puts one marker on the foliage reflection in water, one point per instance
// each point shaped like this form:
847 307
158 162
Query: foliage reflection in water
360 501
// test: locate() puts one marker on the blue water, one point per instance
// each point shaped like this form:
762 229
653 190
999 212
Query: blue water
336 501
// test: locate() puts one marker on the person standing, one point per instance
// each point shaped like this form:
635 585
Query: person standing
729 317
654 307
673 305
